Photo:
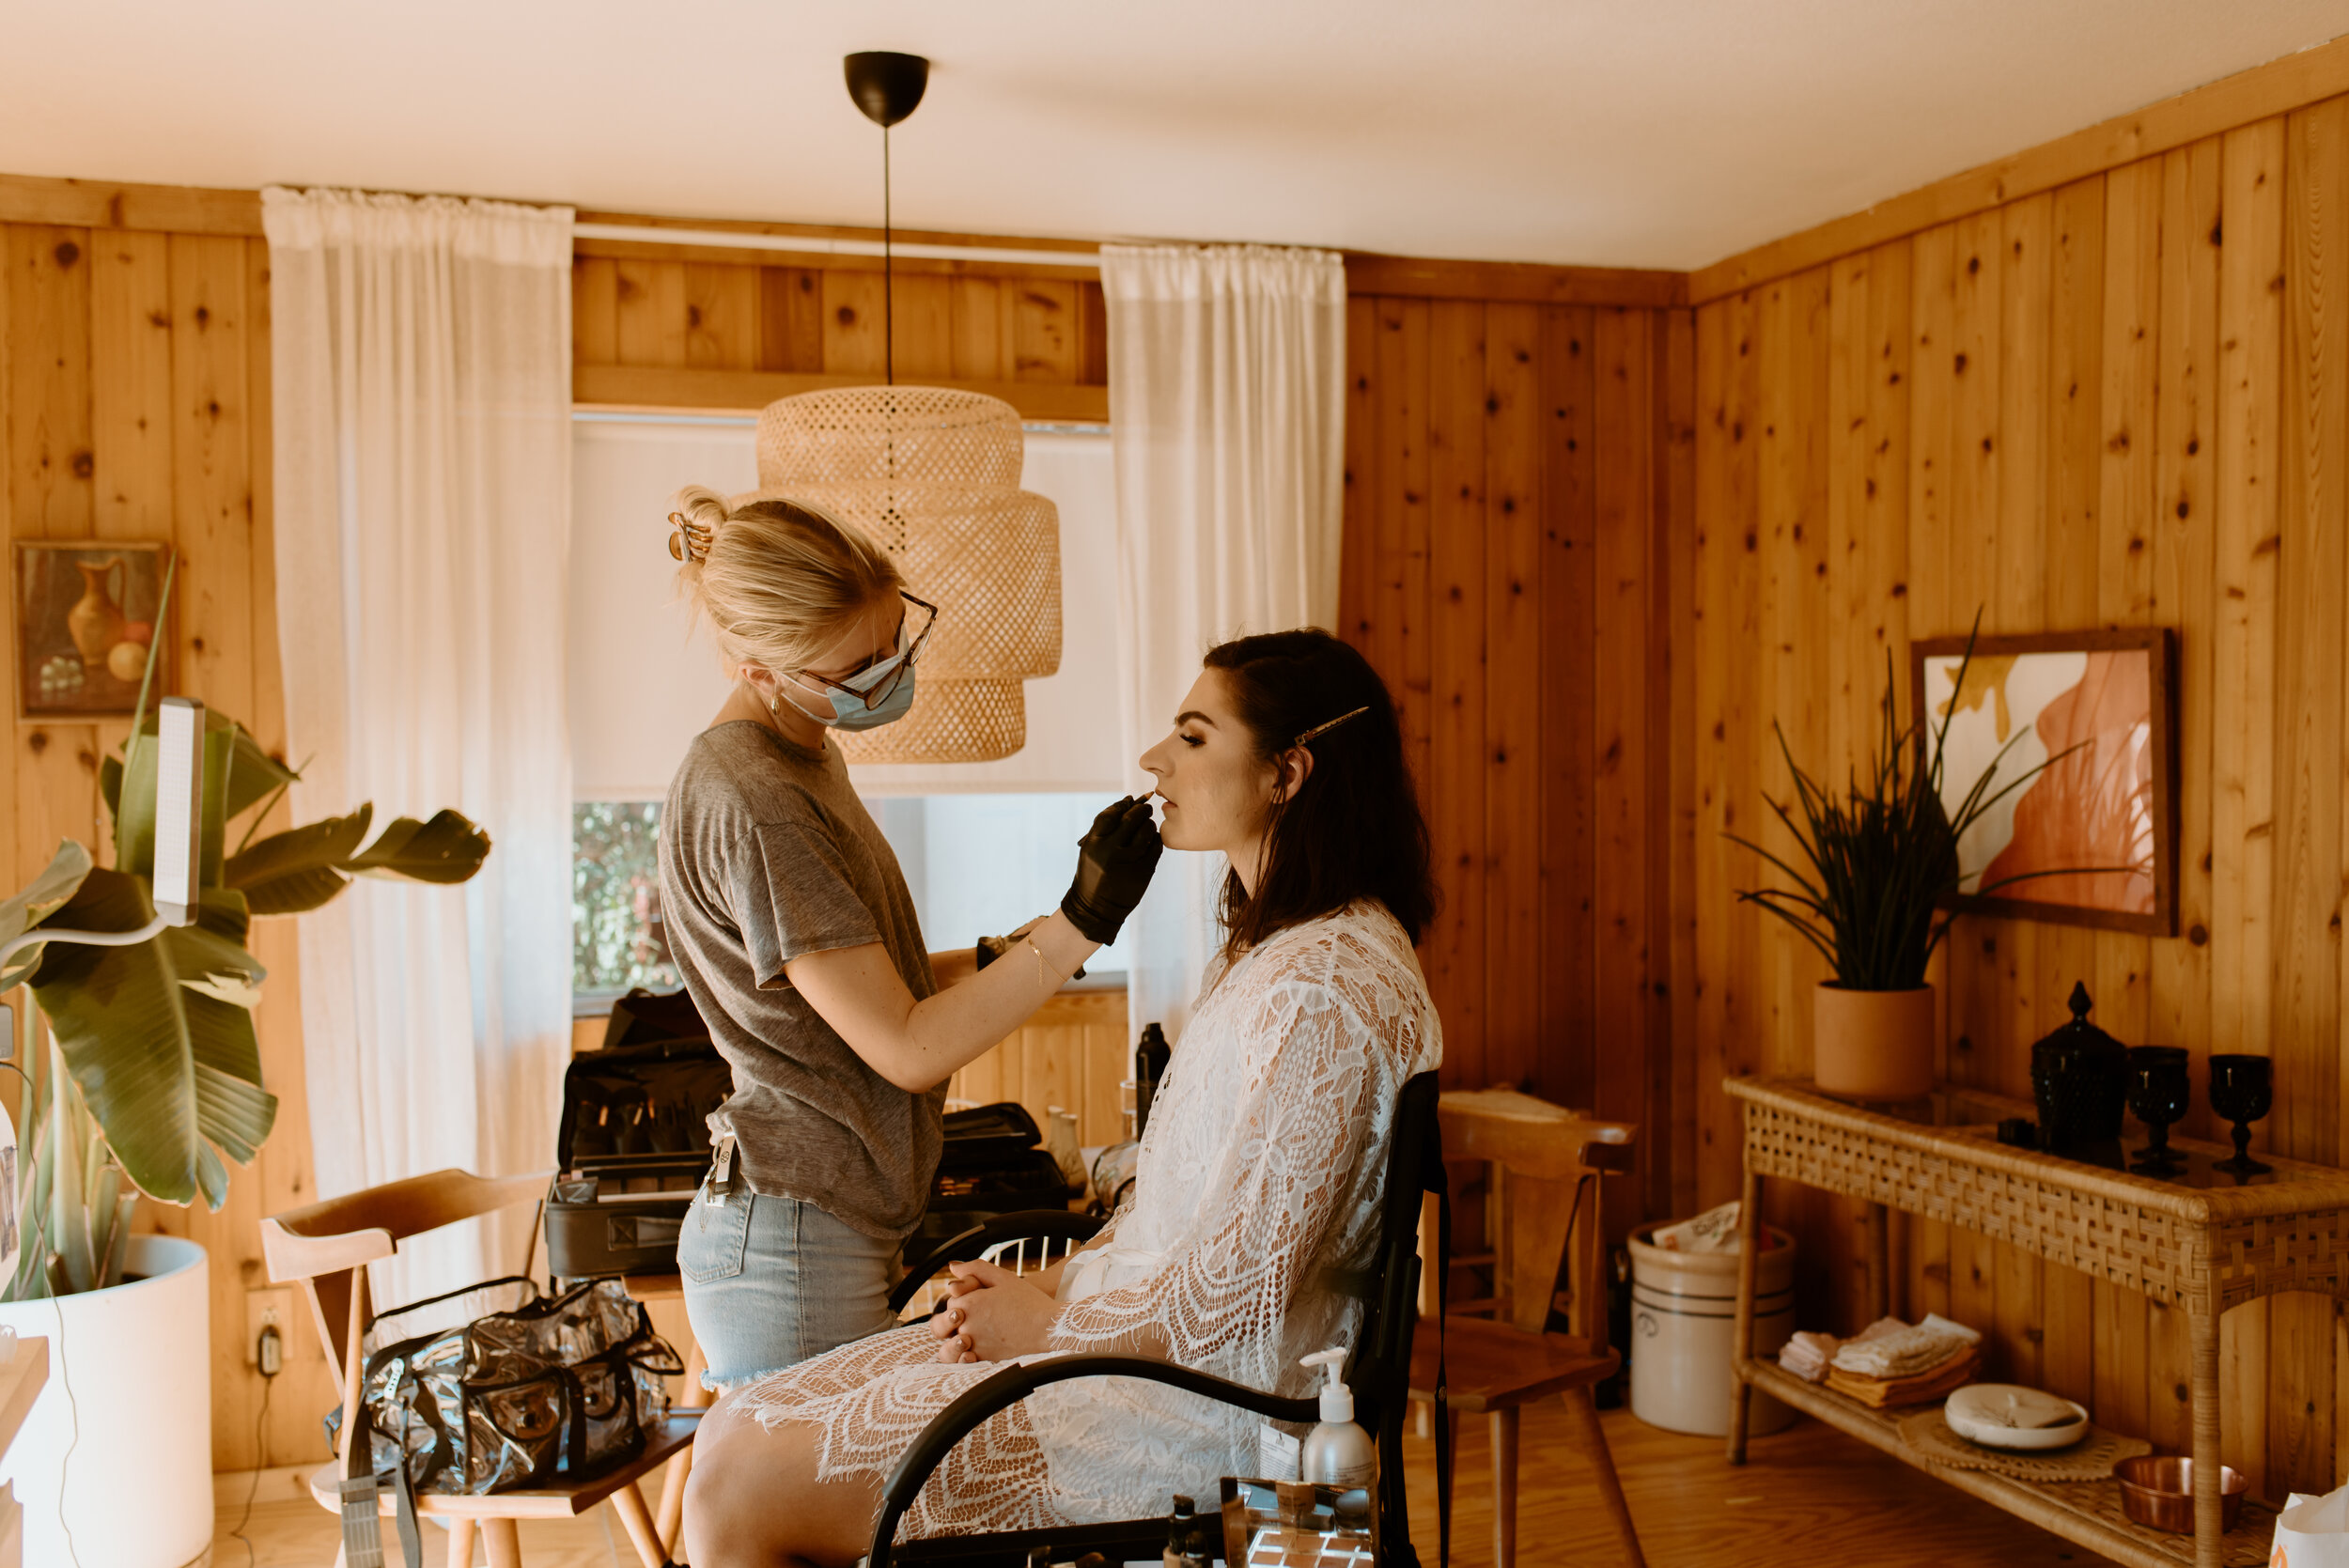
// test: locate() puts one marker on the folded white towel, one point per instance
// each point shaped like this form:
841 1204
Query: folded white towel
1808 1355
1890 1348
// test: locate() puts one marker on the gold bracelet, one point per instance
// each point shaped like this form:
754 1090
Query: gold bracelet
1043 966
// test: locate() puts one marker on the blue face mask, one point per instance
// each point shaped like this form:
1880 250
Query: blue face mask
842 712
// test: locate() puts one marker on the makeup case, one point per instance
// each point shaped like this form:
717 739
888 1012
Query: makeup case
993 1162
633 1146
633 1142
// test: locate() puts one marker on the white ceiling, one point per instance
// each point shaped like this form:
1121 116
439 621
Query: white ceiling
1631 133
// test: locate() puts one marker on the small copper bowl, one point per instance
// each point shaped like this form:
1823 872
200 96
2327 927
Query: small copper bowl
2158 1489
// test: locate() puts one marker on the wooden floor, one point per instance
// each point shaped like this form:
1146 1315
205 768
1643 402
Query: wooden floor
1807 1497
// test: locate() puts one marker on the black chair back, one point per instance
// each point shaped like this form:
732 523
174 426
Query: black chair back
1069 1228
1380 1372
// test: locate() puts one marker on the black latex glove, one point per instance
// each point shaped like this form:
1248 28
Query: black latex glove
1114 861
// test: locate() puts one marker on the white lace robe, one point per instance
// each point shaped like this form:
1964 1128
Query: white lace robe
1262 1171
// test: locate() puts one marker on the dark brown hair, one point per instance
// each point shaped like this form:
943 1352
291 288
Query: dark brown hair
1354 830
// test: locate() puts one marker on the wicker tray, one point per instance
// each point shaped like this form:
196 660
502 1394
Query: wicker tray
2090 1458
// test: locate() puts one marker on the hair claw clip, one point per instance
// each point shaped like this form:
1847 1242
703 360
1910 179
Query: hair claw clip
688 540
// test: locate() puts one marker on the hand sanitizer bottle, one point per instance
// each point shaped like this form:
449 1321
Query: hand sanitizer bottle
1337 1452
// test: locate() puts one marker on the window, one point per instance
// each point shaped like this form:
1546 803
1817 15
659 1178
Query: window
976 865
616 940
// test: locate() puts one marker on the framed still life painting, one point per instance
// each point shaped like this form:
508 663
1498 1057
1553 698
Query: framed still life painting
2096 829
85 613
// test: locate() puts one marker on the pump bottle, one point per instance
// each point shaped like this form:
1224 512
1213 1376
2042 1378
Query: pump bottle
1337 1452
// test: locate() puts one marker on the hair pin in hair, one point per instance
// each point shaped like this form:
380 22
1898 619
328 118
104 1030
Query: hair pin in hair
688 540
1324 729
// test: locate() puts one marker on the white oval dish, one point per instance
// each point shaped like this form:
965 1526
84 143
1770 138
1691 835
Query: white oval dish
1974 1414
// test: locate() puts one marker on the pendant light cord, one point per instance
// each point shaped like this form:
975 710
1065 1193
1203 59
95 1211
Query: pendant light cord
888 279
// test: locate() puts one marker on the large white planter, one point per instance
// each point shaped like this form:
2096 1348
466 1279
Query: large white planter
137 1486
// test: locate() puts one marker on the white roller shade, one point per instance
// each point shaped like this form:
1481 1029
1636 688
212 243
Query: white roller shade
645 681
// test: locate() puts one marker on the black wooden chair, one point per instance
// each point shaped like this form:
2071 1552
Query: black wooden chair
1378 1372
1041 1226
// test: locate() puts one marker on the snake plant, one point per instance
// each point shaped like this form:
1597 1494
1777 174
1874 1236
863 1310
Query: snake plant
1882 854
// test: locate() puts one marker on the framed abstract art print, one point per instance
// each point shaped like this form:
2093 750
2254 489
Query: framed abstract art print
2096 832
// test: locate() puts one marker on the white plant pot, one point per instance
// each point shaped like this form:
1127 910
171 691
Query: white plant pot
137 1488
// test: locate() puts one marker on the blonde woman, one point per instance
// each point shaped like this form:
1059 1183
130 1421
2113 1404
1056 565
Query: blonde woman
794 933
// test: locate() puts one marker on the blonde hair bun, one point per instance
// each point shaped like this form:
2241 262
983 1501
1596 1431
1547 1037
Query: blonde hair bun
777 580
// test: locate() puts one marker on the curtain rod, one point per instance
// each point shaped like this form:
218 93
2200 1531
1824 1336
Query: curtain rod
805 244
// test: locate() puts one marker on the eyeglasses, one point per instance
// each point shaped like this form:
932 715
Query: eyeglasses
886 686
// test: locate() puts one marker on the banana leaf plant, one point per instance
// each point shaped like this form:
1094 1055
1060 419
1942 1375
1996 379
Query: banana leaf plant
154 1071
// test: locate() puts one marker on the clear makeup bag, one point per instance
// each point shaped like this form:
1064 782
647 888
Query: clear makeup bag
494 1387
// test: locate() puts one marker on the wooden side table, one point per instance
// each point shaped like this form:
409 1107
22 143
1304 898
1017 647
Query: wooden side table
2204 1243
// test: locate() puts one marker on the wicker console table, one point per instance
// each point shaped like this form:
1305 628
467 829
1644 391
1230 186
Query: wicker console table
2205 1248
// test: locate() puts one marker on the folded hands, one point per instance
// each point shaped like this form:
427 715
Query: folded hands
992 1314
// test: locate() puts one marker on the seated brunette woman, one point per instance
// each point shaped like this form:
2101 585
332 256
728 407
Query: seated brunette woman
1260 1174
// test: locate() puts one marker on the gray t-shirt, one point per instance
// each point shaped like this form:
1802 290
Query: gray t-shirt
767 854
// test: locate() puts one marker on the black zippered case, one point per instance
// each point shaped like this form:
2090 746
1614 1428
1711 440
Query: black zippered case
992 1162
634 1145
633 1142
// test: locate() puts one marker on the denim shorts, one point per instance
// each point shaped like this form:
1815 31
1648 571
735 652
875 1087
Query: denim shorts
770 1281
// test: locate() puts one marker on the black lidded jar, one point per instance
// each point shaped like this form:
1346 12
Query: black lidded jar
2081 1078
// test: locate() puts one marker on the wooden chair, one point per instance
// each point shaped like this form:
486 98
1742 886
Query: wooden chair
328 1246
1541 1160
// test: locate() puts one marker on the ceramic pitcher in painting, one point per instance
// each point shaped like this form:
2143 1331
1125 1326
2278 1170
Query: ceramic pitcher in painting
96 621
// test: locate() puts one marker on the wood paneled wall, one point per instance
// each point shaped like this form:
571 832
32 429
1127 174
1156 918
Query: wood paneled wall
1512 471
1073 1053
2123 401
695 323
135 370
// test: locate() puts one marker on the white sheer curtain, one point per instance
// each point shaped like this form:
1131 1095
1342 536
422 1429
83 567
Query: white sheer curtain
421 365
1227 408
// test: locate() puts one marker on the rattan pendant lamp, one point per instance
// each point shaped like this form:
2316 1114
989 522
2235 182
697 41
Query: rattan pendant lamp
932 475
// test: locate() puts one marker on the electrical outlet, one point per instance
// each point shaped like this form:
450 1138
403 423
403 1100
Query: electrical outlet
266 1309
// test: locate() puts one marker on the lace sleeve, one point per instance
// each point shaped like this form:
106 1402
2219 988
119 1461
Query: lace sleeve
1287 1171
1105 1237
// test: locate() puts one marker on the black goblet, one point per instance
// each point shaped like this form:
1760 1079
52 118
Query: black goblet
2242 1091
2159 1092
